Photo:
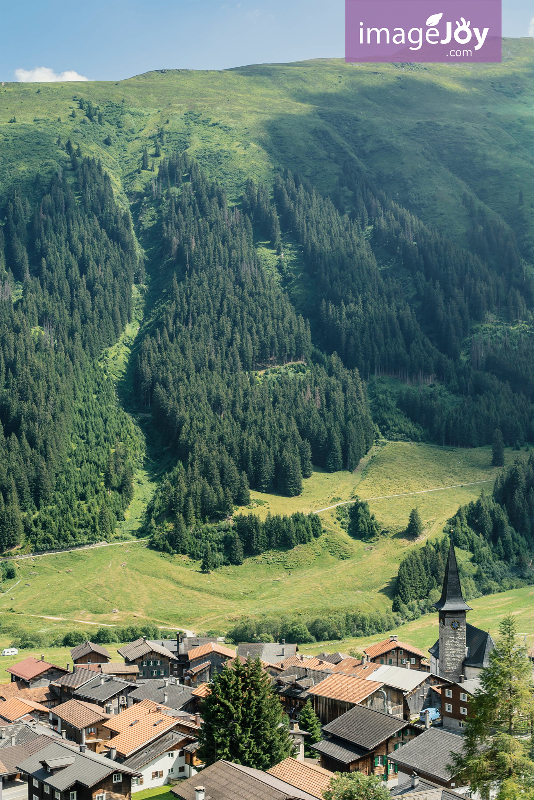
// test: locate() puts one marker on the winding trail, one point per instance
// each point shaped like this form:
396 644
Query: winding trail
404 494
72 550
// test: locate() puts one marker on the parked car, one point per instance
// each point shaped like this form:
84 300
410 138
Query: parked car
434 715
10 651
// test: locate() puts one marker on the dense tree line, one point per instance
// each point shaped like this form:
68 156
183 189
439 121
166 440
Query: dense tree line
67 263
230 543
497 530
228 369
396 298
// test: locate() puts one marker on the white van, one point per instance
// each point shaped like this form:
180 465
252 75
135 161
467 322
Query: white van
10 651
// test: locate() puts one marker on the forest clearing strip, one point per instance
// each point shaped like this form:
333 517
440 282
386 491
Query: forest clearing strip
403 494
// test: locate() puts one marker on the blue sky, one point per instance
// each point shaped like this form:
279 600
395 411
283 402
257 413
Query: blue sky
115 39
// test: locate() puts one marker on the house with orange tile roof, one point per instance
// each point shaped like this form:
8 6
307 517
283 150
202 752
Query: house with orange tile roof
16 709
39 694
397 654
307 777
212 653
339 692
35 672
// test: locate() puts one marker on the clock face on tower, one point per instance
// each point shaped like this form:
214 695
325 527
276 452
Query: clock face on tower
455 624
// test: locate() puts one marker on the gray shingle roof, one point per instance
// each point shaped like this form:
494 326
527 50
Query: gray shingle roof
317 675
364 727
333 658
22 731
141 647
226 781
100 692
479 645
155 749
422 789
430 753
10 757
88 647
452 598
76 679
190 642
271 652
344 752
87 768
177 694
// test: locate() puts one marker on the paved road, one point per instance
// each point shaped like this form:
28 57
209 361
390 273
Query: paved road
403 494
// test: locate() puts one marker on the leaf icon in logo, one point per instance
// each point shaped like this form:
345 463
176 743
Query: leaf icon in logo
433 20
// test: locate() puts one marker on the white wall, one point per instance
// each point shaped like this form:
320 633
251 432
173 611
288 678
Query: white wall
165 762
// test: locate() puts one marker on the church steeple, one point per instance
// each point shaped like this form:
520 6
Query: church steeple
451 597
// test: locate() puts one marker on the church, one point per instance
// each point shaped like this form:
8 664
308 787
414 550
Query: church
462 650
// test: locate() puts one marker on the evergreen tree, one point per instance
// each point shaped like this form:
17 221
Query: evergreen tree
415 526
208 561
236 551
496 746
144 162
497 450
309 721
242 719
356 786
362 524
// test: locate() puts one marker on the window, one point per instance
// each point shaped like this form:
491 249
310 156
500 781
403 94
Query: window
88 660
141 673
448 692
135 781
448 707
117 777
100 796
162 672
170 755
463 710
36 783
91 730
46 787
57 795
181 769
401 652
157 774
36 797
461 724
399 733
144 663
463 697
154 672
390 661
181 752
72 795
170 771
379 761
403 661
412 660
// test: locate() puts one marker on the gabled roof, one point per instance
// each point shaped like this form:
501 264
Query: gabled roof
210 647
272 652
348 688
167 742
341 751
147 722
452 598
176 694
299 660
400 678
86 768
430 753
333 658
118 668
364 727
198 668
102 688
11 756
142 647
424 789
86 648
21 731
479 645
79 714
227 781
40 694
15 708
30 668
201 691
353 666
375 650
75 679
308 777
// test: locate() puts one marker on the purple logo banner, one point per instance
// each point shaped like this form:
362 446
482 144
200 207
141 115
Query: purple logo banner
429 31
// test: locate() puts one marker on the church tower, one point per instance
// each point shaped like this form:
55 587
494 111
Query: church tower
452 622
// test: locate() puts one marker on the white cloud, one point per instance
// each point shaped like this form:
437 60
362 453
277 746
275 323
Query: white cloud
531 27
46 75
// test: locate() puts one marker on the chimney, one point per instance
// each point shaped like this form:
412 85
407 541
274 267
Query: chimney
462 678
165 698
394 638
427 719
63 734
102 680
83 748
68 667
13 740
415 780
3 733
42 657
197 719
165 681
200 793
407 665
283 641
144 638
112 754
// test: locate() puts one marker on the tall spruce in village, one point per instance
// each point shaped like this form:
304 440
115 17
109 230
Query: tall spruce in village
243 719
498 731
310 722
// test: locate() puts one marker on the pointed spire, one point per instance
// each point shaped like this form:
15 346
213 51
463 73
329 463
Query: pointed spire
452 598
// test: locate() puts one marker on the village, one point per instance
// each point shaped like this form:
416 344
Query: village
104 730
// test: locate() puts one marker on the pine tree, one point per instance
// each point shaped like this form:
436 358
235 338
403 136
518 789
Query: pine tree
309 721
208 562
243 491
236 551
496 746
144 163
243 719
362 524
415 526
497 450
